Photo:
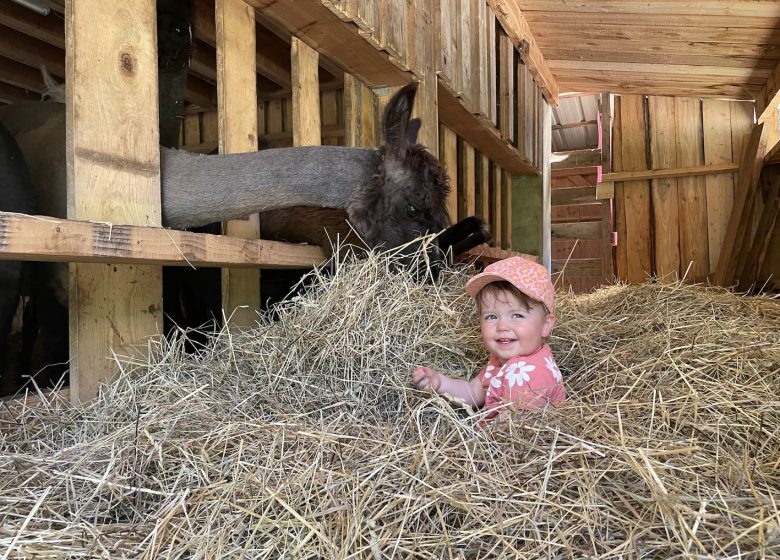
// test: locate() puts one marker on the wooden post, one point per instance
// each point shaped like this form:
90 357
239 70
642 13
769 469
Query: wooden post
495 201
113 159
544 139
467 204
359 113
237 106
307 129
448 154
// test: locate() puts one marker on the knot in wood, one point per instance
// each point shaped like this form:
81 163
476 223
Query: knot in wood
128 62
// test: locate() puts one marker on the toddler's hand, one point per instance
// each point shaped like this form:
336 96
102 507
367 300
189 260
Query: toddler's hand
426 378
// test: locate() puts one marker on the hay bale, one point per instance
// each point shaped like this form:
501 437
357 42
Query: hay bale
303 438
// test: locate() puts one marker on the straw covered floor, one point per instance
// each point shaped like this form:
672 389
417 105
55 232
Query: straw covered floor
303 438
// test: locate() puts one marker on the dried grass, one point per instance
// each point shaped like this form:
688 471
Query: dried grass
304 439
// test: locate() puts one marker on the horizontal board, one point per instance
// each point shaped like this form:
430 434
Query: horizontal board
577 267
573 195
579 230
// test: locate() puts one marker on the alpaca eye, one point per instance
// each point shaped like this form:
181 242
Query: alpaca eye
412 211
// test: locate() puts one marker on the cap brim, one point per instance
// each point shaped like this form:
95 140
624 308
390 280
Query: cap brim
481 280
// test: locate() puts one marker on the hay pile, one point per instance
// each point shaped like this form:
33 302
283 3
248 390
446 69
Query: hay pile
304 438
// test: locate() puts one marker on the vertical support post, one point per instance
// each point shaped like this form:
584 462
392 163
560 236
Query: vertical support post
545 139
495 201
307 128
359 113
113 168
237 109
468 177
448 154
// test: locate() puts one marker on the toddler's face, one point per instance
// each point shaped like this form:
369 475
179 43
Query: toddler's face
509 328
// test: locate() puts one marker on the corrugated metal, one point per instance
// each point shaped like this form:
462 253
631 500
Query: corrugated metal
571 110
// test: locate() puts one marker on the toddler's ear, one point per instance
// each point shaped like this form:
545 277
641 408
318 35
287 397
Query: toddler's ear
549 323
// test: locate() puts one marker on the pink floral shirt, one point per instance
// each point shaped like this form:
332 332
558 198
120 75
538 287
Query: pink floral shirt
531 381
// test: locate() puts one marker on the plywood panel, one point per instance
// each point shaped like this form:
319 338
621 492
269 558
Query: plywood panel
666 219
691 191
716 126
113 168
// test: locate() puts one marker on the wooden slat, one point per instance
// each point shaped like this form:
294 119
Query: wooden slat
544 138
506 93
41 238
743 196
748 274
467 203
691 171
113 160
577 230
578 158
607 269
237 120
636 195
736 9
513 22
606 110
497 226
465 38
480 133
393 29
664 190
306 123
359 113
768 99
479 79
573 195
691 191
621 251
569 126
320 28
483 202
448 154
506 209
448 67
35 53
716 120
577 267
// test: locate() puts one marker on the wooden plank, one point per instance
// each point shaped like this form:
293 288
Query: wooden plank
573 195
495 208
659 8
487 254
41 238
605 190
577 267
664 190
479 78
768 99
748 274
526 115
49 29
322 29
465 51
636 194
483 201
621 252
113 168
359 113
448 67
513 22
743 195
588 16
393 26
691 191
468 204
569 126
691 171
506 209
544 139
448 154
506 84
306 123
480 133
607 269
490 63
716 119
237 121
576 230
367 17
606 110
577 158
35 53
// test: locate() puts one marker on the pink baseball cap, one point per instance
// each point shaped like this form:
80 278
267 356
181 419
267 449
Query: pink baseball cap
527 276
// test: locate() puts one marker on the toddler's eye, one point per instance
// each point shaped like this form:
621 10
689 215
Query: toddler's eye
517 316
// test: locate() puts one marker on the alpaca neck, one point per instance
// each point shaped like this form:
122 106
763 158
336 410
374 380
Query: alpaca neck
198 190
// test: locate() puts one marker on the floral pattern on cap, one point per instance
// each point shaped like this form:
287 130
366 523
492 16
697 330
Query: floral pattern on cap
527 276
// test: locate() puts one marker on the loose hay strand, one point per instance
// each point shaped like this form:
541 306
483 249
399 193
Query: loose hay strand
303 437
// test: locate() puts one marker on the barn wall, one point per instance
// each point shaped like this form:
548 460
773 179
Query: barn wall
674 227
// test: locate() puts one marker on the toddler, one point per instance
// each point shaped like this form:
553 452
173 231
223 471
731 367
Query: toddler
515 299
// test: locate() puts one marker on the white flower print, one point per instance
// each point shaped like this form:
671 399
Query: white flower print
489 371
517 373
553 368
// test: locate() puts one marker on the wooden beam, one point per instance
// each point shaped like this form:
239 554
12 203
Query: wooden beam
567 126
322 29
41 238
49 29
577 158
713 169
488 254
237 122
768 98
13 94
573 195
513 22
113 171
34 53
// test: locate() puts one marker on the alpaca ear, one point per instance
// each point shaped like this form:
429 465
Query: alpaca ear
396 118
412 131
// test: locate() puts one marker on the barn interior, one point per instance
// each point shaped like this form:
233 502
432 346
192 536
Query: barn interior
632 147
